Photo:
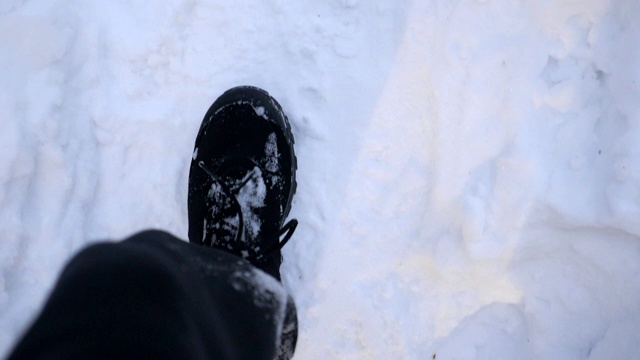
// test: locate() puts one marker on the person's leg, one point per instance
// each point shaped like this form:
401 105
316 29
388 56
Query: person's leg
155 296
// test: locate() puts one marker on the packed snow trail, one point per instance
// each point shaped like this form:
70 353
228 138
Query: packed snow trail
469 171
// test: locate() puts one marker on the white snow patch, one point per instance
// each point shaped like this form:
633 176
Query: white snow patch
251 197
260 111
469 172
271 154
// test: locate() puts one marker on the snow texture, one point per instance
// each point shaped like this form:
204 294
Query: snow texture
469 171
251 197
271 157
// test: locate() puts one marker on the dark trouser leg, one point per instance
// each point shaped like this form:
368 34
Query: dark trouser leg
155 296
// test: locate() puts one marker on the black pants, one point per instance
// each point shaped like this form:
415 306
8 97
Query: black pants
154 296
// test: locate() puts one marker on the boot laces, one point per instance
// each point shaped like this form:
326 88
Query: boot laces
287 230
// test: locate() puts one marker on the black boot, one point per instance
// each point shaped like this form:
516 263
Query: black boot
242 178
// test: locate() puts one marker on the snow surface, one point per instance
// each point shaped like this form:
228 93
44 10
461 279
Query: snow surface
469 171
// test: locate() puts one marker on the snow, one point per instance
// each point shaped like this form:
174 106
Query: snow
469 171
271 158
250 197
